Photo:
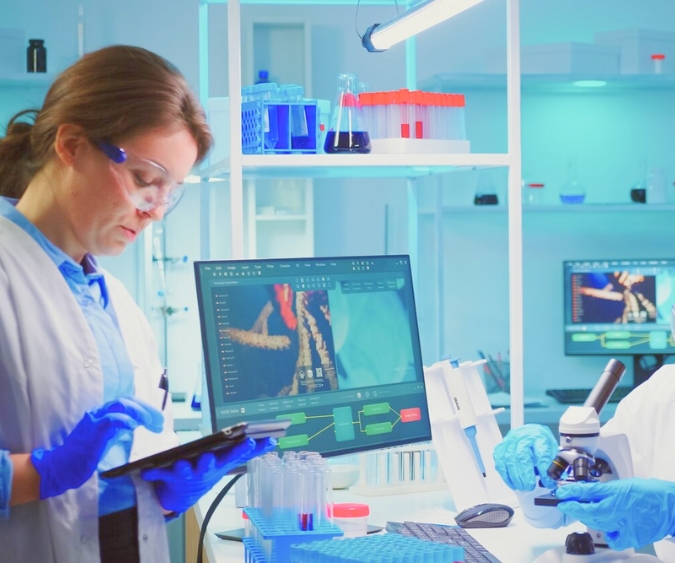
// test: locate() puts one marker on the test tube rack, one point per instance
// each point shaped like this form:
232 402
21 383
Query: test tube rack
368 549
402 469
272 535
261 118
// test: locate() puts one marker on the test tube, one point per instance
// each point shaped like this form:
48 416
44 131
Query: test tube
406 467
461 117
404 104
382 470
393 115
381 113
367 107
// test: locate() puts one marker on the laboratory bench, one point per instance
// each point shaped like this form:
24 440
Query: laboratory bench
517 543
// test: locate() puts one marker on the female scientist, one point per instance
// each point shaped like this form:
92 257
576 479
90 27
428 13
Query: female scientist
79 372
632 512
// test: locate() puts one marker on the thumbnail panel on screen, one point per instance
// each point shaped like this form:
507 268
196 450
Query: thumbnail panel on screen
619 306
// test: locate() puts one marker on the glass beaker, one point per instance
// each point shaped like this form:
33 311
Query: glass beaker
572 191
347 132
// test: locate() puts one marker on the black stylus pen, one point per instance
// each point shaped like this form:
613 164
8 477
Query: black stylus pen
164 384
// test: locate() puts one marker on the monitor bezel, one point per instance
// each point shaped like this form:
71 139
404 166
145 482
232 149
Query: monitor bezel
566 306
415 339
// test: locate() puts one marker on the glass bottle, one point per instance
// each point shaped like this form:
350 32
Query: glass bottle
347 132
486 192
36 56
263 77
638 191
572 191
532 193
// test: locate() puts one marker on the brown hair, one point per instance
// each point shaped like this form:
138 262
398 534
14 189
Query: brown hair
112 93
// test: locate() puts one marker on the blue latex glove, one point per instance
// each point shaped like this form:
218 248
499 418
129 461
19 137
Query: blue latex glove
631 512
525 452
181 485
71 464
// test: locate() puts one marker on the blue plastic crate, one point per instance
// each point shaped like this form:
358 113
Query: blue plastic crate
266 127
279 532
385 548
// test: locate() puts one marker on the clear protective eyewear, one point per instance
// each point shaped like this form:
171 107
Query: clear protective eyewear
148 184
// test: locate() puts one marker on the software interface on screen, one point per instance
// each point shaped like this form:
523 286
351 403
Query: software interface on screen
331 343
619 306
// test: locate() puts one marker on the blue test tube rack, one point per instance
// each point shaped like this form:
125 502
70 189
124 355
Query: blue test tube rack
281 531
259 117
377 549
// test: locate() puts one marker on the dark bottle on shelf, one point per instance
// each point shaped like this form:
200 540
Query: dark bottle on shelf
37 56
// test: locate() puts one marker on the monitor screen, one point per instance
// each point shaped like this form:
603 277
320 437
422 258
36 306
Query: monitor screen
331 343
618 306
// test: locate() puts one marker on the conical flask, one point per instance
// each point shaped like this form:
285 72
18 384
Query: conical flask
347 131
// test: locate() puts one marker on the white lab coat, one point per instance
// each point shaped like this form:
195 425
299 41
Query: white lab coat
50 375
647 417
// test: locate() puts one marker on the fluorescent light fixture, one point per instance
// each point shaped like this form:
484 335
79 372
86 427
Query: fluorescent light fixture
590 83
421 16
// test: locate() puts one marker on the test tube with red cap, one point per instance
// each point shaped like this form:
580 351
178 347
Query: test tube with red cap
658 59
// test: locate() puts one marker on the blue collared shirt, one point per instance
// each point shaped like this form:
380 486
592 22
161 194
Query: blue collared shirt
89 289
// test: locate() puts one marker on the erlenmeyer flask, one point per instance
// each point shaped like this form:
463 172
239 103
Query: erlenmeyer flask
347 131
572 191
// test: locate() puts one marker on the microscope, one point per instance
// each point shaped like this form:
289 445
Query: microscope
587 453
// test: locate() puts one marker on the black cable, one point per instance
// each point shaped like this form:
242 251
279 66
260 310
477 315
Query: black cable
210 511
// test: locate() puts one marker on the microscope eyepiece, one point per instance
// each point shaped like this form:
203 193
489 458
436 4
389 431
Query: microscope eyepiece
604 388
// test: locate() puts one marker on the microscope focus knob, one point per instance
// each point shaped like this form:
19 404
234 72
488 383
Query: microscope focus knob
579 543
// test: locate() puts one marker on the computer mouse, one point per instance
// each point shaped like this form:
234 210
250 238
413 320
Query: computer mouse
486 515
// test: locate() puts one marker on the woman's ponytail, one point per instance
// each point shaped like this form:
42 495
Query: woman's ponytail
16 169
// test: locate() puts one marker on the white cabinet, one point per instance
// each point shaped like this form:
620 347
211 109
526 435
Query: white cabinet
280 218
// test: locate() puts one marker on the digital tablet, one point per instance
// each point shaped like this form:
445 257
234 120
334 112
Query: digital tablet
222 440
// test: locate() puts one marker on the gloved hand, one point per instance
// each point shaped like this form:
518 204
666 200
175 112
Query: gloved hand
71 464
631 512
525 452
182 484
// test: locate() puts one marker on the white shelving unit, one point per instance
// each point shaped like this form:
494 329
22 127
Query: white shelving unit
240 167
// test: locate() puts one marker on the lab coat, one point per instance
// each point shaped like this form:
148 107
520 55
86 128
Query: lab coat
647 418
50 375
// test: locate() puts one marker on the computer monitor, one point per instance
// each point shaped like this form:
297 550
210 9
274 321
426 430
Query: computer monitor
331 343
617 307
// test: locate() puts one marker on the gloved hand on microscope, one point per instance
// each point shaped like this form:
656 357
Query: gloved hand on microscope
632 512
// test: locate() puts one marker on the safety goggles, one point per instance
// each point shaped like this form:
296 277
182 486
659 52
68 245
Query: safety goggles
148 184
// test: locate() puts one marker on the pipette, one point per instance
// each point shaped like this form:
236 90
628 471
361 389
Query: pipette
463 407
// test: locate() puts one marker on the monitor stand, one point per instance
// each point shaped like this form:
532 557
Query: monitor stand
644 365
